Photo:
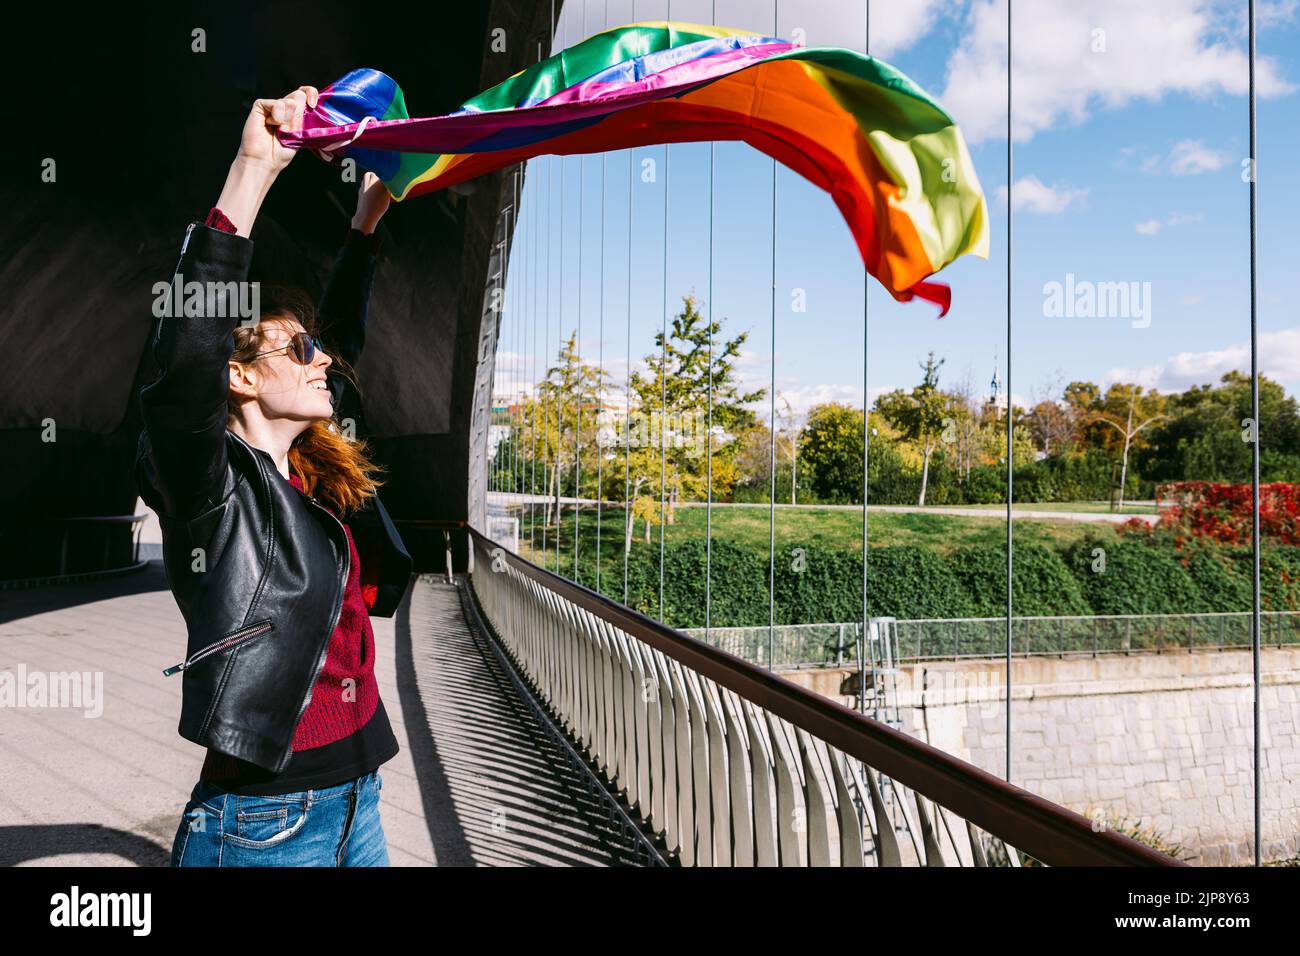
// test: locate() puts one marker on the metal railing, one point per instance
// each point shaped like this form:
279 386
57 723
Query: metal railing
730 764
67 529
921 639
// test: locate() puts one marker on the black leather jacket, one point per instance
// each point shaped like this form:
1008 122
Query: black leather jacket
257 567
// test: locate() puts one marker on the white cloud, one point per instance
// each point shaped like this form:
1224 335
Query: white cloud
1191 156
896 26
1150 227
1033 195
1139 157
1273 12
1279 354
1151 49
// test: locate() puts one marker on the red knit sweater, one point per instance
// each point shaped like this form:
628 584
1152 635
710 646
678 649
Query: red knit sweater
345 694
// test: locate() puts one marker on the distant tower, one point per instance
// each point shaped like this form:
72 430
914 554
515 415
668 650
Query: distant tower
996 405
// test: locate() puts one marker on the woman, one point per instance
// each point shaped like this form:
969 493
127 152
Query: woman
276 546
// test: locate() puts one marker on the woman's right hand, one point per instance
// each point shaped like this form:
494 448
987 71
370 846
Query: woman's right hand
258 144
261 156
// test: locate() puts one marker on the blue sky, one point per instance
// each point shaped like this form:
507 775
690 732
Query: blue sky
1130 130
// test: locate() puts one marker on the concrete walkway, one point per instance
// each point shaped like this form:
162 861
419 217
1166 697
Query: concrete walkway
476 782
503 499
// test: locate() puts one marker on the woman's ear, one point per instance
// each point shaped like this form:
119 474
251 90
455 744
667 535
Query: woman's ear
243 380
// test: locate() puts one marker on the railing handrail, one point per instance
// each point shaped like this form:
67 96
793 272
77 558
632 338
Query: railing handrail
1046 831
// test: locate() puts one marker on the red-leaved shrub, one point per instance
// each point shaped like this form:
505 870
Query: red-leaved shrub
1222 512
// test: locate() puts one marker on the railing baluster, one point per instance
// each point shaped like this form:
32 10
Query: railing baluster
819 804
740 779
849 816
692 761
929 840
718 775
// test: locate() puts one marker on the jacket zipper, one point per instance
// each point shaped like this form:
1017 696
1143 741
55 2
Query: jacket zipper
245 634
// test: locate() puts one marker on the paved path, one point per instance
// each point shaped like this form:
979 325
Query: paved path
502 499
476 781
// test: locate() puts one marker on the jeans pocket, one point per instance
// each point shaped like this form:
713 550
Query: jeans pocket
268 821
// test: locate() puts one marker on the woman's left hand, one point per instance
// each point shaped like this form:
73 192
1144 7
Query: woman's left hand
372 203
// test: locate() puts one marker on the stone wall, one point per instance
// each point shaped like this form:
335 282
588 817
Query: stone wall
1162 740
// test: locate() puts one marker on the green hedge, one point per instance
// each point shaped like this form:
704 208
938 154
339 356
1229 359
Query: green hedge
1041 582
815 584
1132 578
737 589
1221 577
903 581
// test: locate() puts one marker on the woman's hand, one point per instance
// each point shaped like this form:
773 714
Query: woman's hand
258 144
261 156
372 202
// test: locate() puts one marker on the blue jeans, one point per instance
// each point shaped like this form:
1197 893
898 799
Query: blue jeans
337 826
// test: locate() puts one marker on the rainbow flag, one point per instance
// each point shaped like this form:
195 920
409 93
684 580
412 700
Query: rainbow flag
893 161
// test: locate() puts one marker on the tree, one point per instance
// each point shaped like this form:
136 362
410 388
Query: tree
1127 411
568 398
675 395
1204 434
787 443
920 416
965 425
831 448
1052 421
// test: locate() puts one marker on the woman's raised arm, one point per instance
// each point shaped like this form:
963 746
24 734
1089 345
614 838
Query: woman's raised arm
345 305
182 468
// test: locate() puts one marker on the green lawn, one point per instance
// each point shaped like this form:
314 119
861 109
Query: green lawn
828 527
1068 507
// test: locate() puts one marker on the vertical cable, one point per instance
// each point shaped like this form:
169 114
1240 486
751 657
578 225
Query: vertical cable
627 390
577 346
578 371
866 445
529 464
708 484
627 385
1254 406
515 330
771 522
1010 404
546 338
559 398
663 371
600 355
546 349
532 359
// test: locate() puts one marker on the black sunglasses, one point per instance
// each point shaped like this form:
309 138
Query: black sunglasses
302 346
